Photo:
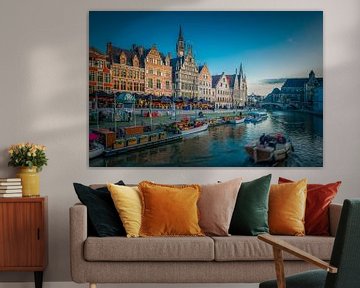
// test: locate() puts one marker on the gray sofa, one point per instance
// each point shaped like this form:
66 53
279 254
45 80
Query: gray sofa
234 259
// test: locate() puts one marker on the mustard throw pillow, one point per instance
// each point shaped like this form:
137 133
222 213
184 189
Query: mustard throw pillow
127 201
287 204
169 210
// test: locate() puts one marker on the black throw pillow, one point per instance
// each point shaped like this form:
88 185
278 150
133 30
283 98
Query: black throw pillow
103 218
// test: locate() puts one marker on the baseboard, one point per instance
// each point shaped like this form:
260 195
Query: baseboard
74 285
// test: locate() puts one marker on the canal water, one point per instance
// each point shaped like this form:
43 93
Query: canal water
223 146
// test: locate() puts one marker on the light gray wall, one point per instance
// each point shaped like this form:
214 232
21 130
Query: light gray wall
43 90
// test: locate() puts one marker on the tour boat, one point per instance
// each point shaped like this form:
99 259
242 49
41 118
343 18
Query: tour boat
194 129
95 150
270 148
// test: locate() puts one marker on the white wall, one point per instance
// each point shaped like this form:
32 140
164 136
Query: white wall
43 90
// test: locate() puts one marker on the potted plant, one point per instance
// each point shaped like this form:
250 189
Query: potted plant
30 158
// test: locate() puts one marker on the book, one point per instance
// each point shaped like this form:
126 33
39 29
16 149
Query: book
10 183
10 191
10 180
10 187
10 195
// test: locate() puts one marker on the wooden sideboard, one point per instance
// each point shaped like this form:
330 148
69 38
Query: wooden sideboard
23 235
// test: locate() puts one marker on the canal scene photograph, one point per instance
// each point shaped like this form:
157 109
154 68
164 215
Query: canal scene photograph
205 89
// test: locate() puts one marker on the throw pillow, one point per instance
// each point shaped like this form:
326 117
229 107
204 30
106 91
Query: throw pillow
127 201
287 204
216 206
319 197
169 210
250 215
103 218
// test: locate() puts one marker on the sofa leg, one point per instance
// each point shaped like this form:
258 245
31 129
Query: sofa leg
92 285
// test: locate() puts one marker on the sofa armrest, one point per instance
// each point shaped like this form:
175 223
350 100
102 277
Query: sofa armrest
78 235
334 217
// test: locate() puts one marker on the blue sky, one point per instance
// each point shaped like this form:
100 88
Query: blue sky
270 44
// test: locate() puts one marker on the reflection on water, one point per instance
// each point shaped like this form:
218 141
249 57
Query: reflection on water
223 146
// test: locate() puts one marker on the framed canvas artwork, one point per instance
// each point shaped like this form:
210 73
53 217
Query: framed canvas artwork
205 88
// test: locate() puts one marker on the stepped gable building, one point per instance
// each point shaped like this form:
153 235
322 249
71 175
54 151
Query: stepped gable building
158 73
99 72
222 91
238 86
303 92
234 89
185 72
139 70
230 90
205 84
127 66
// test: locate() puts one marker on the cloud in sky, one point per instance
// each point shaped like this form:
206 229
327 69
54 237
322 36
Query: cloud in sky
263 88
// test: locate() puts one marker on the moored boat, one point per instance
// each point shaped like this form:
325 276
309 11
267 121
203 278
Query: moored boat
270 148
216 122
95 149
194 129
263 115
256 117
237 120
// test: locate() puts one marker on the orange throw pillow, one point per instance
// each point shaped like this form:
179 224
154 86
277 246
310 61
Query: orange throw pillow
319 197
169 210
287 204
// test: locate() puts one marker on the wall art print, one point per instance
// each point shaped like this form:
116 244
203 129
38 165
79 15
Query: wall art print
206 89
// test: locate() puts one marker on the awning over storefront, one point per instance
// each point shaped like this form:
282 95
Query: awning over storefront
125 98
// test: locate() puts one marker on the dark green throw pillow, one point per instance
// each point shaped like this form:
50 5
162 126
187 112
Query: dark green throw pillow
103 219
250 216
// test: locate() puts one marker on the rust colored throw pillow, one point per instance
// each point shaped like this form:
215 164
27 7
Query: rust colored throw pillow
169 210
319 197
287 204
216 206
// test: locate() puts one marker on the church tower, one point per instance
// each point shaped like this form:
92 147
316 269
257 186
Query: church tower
180 44
241 74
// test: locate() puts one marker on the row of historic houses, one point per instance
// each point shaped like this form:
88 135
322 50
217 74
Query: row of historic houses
148 71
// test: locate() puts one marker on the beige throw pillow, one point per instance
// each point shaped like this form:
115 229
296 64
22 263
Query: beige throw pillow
216 206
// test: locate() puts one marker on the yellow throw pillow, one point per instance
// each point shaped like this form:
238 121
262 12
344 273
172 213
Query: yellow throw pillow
287 204
169 210
127 201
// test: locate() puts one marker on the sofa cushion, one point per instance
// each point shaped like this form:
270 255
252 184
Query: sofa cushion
216 206
244 248
250 215
102 216
169 210
318 199
149 249
127 201
287 204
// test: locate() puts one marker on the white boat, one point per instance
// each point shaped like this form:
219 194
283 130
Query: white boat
263 115
270 148
96 149
237 120
192 130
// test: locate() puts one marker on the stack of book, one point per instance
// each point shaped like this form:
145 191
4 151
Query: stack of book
10 187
